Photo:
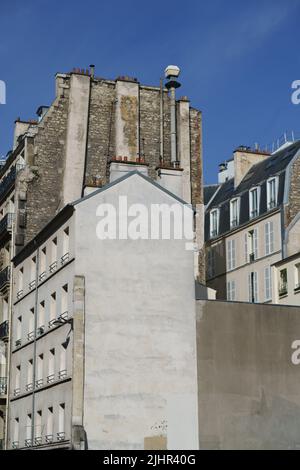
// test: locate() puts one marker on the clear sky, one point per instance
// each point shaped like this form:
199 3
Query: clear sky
238 59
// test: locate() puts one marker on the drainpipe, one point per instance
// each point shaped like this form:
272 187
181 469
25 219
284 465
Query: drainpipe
171 73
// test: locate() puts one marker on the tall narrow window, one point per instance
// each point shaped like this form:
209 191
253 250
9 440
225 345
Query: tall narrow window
15 443
254 196
43 264
30 334
272 190
19 331
253 287
214 223
32 273
17 389
40 371
253 244
231 259
268 284
20 282
28 432
41 319
38 428
29 385
52 313
53 265
49 431
51 366
64 301
269 238
283 283
62 374
231 291
5 309
61 422
211 262
234 213
66 247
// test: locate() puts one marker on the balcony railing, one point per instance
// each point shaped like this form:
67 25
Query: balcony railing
39 383
15 444
38 440
17 392
7 182
53 267
252 257
6 224
65 258
40 330
234 223
29 387
4 329
4 278
18 343
254 214
31 285
62 374
61 436
28 442
49 438
3 386
50 379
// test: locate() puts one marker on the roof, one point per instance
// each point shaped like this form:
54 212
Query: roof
275 165
209 191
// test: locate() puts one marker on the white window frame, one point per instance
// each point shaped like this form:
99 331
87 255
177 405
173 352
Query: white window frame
271 204
234 221
255 287
231 291
231 255
251 208
214 233
269 238
268 283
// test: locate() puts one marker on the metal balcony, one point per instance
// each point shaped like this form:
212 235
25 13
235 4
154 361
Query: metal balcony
4 279
4 329
7 182
6 225
3 386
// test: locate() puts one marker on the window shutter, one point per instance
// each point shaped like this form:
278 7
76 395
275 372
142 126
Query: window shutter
271 237
246 247
233 263
255 287
267 243
255 236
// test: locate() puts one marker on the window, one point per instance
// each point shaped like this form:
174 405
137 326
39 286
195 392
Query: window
29 385
283 284
252 245
231 291
234 212
62 374
52 316
269 238
61 422
51 366
268 284
41 319
64 301
20 282
19 331
49 432
65 256
211 261
17 381
15 443
53 265
254 198
43 264
231 261
38 428
297 277
32 273
214 223
30 335
272 190
28 441
253 287
40 371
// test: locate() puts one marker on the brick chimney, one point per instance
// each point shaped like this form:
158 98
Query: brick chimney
244 159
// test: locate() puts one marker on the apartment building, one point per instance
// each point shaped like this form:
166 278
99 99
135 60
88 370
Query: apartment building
103 337
247 216
67 151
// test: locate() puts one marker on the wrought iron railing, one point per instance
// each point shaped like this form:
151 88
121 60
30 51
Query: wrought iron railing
6 223
283 289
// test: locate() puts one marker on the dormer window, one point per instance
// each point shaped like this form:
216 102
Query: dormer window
234 212
214 223
254 198
272 192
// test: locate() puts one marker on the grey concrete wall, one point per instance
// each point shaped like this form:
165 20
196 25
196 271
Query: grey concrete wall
248 386
140 348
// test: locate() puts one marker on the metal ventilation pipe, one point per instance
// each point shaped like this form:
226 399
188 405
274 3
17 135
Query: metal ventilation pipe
172 73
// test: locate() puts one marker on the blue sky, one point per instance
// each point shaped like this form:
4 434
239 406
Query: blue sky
238 59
